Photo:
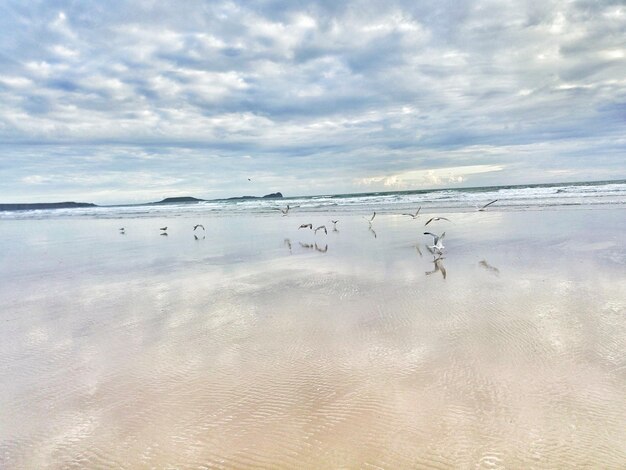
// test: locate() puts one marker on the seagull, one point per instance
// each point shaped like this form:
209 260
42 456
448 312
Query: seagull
371 219
249 179
163 228
322 250
335 225
438 267
435 219
488 204
414 216
122 232
437 243
320 228
198 225
309 226
122 229
284 211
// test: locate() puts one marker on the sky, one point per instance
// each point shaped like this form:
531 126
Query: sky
133 101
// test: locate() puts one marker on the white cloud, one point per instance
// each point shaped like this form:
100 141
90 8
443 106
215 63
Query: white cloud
428 177
325 97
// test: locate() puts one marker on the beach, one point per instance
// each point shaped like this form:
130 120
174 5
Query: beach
258 344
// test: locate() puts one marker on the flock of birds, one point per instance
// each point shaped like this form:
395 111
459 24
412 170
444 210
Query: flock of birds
436 249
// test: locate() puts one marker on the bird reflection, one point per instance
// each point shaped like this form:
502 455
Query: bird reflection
164 234
287 243
373 232
321 250
439 267
419 252
197 238
489 268
315 246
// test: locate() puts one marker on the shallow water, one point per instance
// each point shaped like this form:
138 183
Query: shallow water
244 349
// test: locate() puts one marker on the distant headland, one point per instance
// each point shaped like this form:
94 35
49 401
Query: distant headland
188 199
44 205
167 200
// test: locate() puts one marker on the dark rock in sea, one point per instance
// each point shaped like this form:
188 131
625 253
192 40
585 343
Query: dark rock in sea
244 198
44 205
273 196
178 200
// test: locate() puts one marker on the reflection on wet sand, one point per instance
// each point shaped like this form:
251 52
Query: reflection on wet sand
233 354
439 267
488 267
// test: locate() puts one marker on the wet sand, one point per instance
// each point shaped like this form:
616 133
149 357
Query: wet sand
235 351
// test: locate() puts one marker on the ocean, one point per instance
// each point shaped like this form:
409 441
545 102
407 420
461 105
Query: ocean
510 198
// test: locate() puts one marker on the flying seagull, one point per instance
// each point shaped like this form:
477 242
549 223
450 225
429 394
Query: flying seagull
163 228
370 220
414 216
286 210
198 225
435 219
335 225
486 205
309 226
249 179
320 228
437 243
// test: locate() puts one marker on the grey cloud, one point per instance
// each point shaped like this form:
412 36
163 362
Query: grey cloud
291 88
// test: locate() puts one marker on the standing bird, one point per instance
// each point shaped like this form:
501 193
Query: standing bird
435 219
309 226
414 216
198 225
437 243
486 205
320 228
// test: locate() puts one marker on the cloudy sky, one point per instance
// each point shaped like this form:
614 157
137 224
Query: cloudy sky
119 101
